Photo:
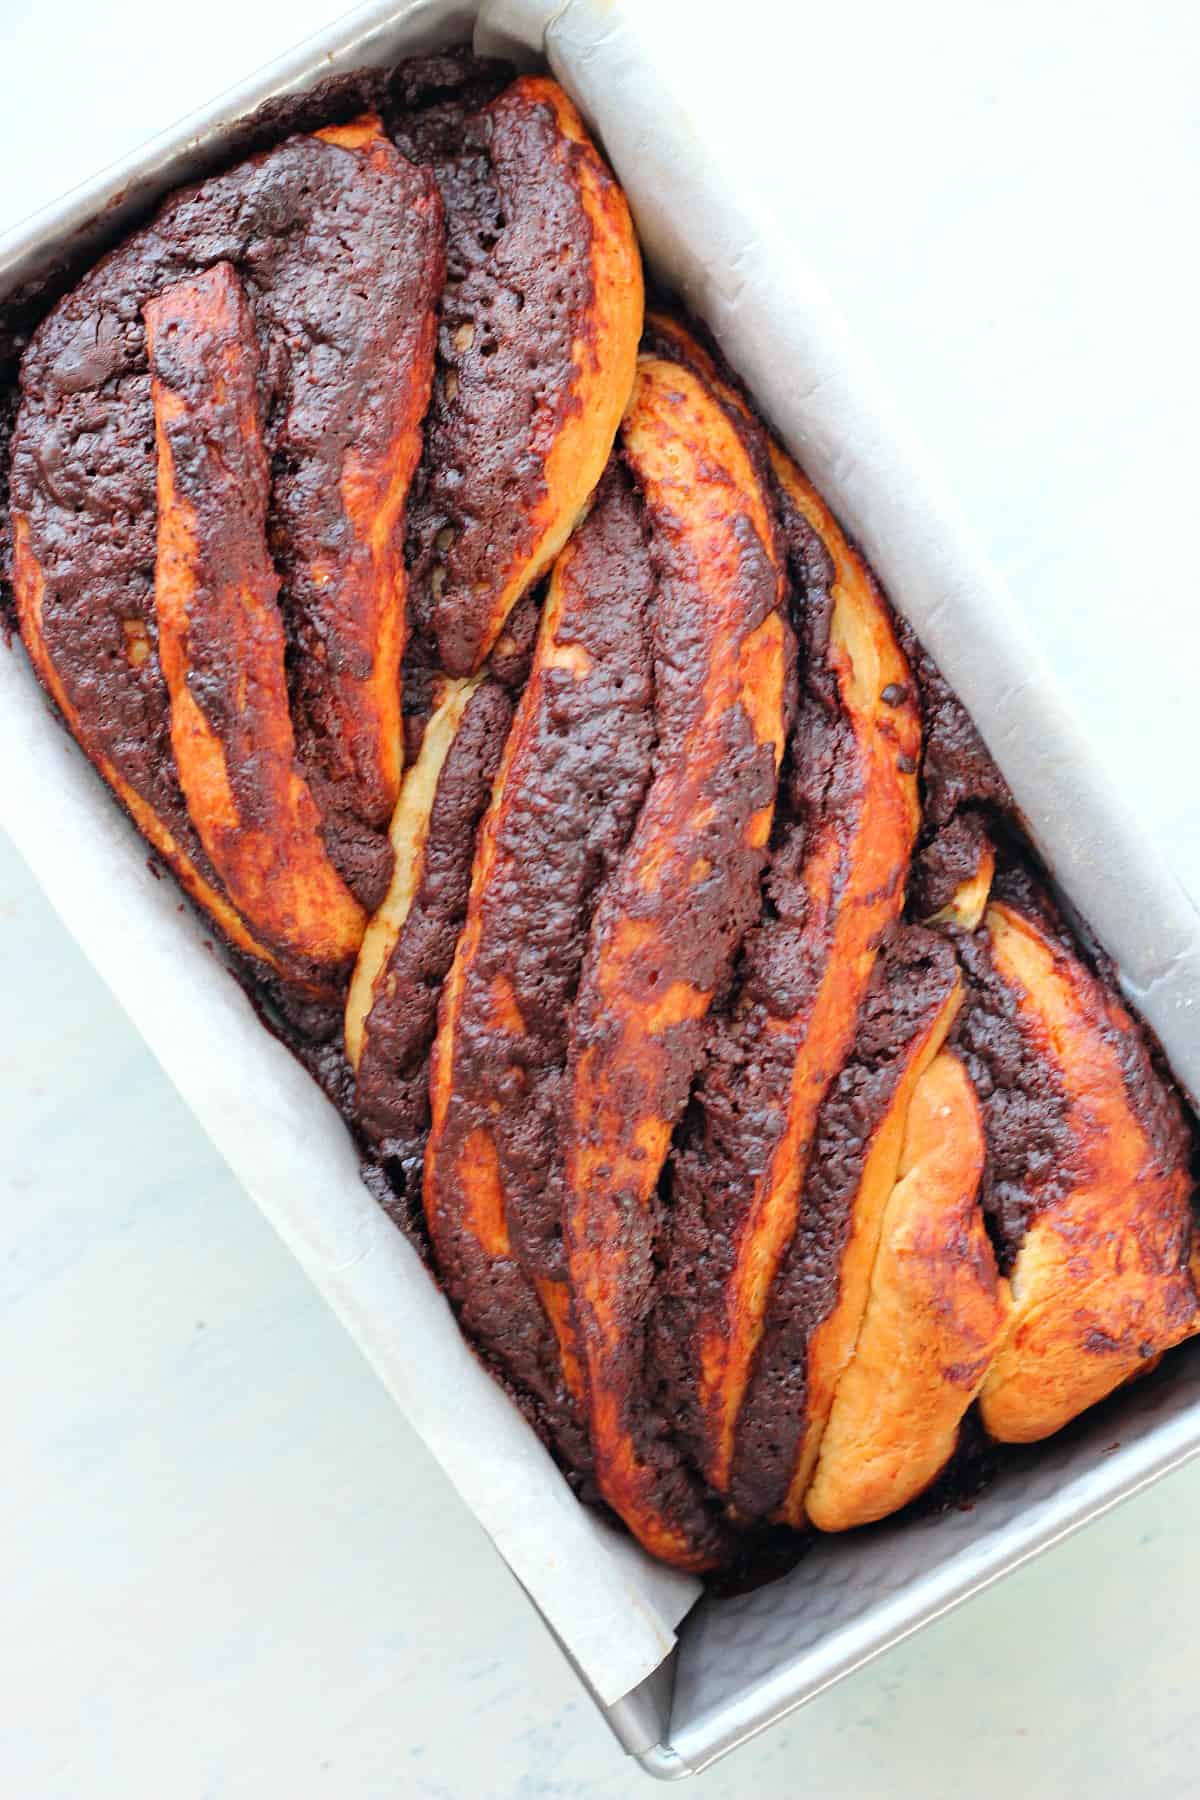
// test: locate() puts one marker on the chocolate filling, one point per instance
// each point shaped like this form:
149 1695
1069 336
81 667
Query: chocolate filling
957 770
948 859
517 285
1030 1163
391 1103
578 790
910 984
733 1125
567 802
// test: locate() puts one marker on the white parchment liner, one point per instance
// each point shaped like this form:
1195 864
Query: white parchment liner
692 185
705 226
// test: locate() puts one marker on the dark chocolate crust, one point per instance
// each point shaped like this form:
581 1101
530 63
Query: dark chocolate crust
391 1098
340 257
508 664
910 984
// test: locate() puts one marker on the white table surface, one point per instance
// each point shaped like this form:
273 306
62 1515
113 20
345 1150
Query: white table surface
228 1568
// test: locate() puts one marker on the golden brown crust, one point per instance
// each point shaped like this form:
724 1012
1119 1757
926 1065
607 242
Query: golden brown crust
665 335
1100 1283
934 1315
667 927
220 635
832 1343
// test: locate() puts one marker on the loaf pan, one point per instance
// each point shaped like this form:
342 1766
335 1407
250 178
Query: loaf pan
738 1664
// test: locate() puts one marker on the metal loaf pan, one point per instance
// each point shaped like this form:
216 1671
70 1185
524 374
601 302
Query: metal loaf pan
743 1663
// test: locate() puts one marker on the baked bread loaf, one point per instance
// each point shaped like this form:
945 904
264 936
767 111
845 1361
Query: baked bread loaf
570 797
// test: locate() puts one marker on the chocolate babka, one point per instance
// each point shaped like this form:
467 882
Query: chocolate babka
570 798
